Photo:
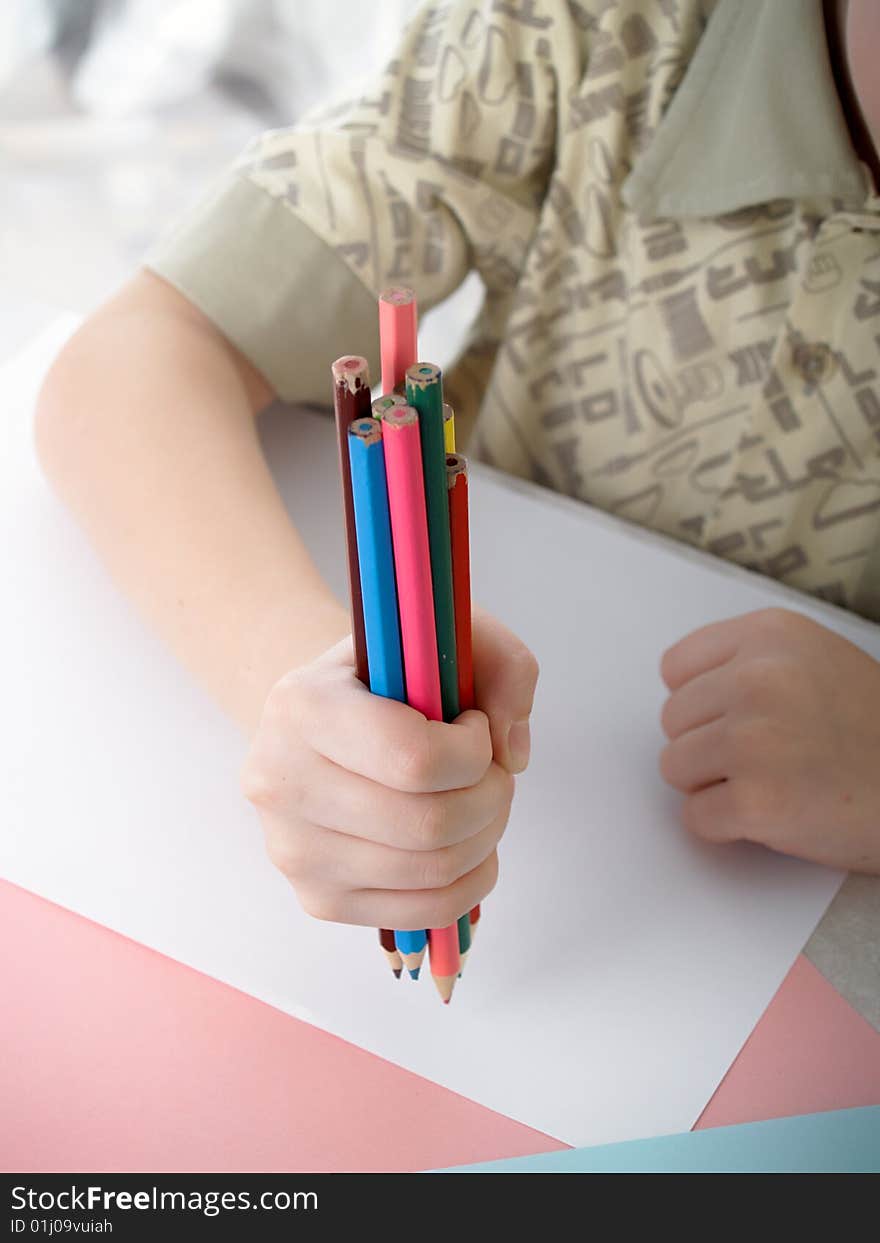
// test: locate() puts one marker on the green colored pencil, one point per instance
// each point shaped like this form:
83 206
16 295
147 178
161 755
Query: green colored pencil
464 938
424 391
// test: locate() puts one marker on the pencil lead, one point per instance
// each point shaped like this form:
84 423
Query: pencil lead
415 973
398 971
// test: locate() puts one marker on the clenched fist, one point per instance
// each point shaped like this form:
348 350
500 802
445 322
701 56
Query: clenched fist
774 737
376 815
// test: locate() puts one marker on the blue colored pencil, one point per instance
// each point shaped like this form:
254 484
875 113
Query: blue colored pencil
376 559
379 591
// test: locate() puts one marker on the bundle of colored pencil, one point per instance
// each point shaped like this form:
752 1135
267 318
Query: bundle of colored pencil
405 500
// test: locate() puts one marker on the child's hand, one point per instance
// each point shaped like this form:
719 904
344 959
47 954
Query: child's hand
376 815
774 728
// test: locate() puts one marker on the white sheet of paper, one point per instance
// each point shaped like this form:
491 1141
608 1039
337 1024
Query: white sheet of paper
620 965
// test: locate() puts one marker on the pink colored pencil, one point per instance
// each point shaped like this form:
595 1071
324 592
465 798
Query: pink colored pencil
445 959
397 335
412 559
418 633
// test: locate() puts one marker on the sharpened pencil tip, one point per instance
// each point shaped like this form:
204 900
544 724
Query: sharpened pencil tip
414 974
397 972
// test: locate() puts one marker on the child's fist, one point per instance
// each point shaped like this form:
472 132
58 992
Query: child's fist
774 736
376 815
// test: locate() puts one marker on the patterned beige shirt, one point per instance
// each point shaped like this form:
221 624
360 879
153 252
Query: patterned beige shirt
680 250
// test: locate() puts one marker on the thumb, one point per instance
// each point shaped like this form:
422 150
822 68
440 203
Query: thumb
505 675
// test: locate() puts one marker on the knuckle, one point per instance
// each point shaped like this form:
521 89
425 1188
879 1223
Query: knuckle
258 783
411 761
291 700
747 738
442 909
437 869
326 907
490 874
432 826
749 804
286 852
759 678
507 790
668 764
777 622
693 820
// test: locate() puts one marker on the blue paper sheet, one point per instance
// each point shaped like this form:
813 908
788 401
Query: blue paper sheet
845 1141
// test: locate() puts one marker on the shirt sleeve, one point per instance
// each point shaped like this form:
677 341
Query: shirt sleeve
437 169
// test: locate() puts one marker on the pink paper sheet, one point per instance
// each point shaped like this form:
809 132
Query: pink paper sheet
810 1052
118 1059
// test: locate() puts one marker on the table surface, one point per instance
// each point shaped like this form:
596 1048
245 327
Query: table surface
76 1043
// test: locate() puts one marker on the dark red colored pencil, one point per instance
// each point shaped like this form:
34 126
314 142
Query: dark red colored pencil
459 530
389 948
351 400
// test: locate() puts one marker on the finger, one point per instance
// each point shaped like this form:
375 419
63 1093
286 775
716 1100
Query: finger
411 909
505 676
698 702
346 863
704 649
381 739
710 814
334 798
696 759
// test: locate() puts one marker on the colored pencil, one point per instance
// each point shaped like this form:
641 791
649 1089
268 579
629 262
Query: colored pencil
459 538
388 402
475 919
424 392
389 949
464 940
445 959
351 400
375 558
412 945
457 479
448 427
397 335
412 559
379 591
412 562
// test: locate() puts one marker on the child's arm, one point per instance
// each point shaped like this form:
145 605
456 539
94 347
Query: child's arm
146 428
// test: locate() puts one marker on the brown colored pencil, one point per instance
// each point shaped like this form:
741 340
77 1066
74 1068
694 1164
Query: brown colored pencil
389 949
351 400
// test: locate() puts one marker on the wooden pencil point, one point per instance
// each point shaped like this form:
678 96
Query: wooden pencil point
413 960
446 986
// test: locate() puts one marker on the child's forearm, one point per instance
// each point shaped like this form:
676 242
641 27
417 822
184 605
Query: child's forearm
146 428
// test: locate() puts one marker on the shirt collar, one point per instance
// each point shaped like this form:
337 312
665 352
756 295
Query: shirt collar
756 117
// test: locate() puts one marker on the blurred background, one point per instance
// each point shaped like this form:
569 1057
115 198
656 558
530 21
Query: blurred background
115 115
